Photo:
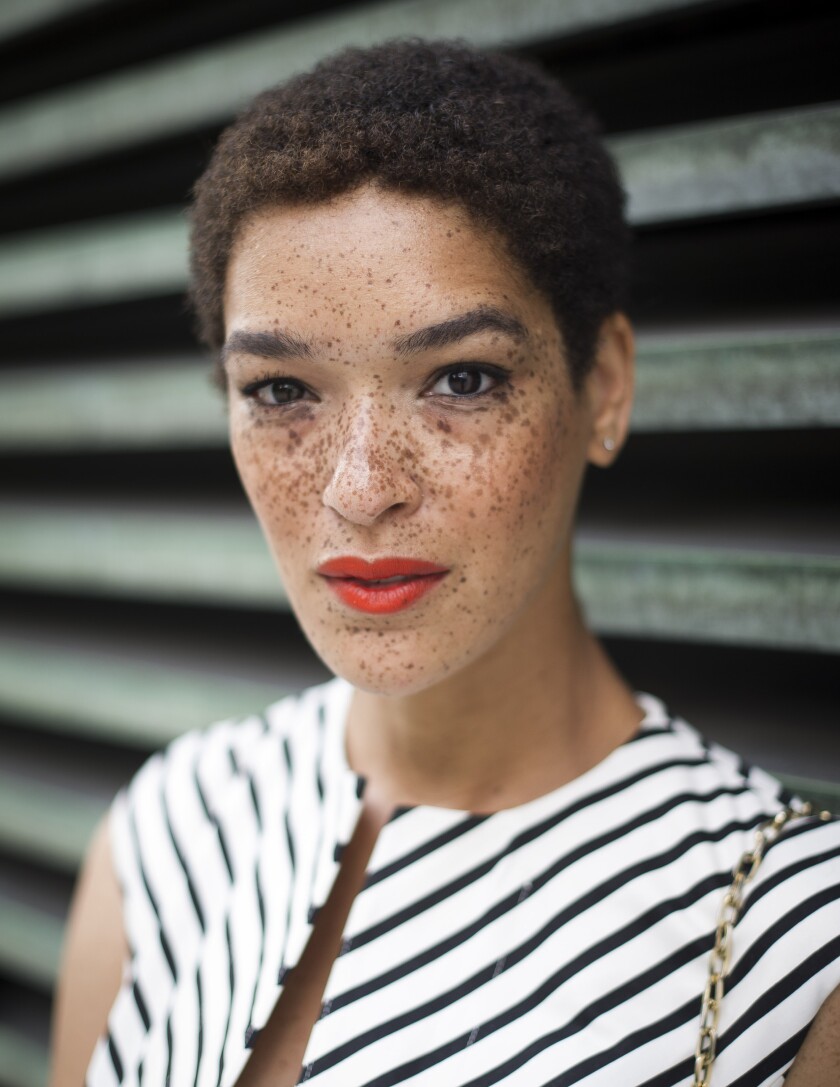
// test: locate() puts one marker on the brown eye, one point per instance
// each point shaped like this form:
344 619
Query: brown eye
276 391
466 381
281 392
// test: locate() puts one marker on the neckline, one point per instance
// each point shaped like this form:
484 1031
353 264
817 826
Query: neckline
656 718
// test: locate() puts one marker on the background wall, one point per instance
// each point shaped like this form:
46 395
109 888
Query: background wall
136 596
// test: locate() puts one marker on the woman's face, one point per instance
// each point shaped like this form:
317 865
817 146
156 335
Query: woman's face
398 391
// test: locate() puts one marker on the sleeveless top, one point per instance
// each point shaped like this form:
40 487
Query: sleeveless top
561 942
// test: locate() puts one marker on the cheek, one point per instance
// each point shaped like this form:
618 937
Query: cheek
280 470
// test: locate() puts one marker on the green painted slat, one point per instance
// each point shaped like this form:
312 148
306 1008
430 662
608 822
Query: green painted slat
684 382
734 165
24 1062
745 381
213 556
711 594
750 595
48 823
130 257
211 84
117 699
766 160
822 794
30 943
139 405
21 16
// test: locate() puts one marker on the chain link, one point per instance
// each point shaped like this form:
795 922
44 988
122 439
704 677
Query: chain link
730 911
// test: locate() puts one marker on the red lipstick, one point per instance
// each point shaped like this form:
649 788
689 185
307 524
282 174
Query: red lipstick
383 585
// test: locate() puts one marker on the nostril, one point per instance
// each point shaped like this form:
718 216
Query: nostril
364 489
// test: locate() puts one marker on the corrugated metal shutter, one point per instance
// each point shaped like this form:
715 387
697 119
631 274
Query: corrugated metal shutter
137 595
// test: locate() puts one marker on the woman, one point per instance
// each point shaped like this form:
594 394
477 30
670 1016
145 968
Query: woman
477 856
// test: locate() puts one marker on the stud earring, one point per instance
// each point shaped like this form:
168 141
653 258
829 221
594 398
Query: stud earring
609 444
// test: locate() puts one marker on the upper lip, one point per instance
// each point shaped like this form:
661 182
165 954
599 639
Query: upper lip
378 569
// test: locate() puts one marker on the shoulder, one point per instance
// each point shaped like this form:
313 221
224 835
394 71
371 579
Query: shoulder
91 972
208 758
199 803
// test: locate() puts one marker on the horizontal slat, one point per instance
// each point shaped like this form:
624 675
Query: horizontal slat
131 257
639 586
21 16
762 161
47 823
822 794
30 942
210 85
215 557
24 1062
119 699
143 405
711 594
755 379
686 381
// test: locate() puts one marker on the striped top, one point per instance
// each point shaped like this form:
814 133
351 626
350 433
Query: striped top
564 941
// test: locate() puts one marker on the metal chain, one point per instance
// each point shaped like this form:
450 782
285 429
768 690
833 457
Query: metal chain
730 911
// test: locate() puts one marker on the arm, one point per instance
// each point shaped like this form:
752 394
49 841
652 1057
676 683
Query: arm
95 949
818 1060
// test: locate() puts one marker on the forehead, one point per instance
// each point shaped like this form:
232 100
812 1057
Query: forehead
370 247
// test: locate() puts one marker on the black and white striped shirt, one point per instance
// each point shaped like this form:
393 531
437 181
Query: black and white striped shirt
564 941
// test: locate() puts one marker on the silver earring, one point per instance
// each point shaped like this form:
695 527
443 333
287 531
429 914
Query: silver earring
609 444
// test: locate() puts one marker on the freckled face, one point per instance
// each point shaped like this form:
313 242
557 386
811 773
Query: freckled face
462 446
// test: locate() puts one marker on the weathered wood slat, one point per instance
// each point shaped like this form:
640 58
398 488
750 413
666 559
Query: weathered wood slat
148 404
711 594
21 16
46 823
118 699
735 165
209 85
24 1062
214 556
685 381
30 942
752 380
131 257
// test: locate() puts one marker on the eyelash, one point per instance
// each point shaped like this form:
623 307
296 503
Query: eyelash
253 388
498 374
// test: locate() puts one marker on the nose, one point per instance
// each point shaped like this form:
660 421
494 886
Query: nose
372 469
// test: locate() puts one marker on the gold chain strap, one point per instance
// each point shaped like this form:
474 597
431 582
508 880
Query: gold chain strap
730 911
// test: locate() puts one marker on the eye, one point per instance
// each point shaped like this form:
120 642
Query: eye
465 381
275 391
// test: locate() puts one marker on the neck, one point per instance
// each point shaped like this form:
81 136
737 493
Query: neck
541 708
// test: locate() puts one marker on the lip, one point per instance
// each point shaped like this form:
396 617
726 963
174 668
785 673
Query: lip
357 582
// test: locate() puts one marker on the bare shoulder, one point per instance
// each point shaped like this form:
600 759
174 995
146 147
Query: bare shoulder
819 1058
95 949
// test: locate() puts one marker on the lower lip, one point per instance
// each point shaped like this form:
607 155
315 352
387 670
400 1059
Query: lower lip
383 599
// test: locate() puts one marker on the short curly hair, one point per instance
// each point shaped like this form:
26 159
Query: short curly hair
494 133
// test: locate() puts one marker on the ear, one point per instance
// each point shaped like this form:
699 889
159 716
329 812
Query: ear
608 388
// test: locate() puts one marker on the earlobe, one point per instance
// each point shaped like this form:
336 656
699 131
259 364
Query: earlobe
609 387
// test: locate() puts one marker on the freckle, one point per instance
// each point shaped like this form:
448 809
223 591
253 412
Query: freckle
444 426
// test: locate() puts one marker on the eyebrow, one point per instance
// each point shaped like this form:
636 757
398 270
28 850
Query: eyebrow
480 319
285 344
278 344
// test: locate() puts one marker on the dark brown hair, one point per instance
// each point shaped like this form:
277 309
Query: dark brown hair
495 134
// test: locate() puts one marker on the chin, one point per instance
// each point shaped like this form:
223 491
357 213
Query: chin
393 664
